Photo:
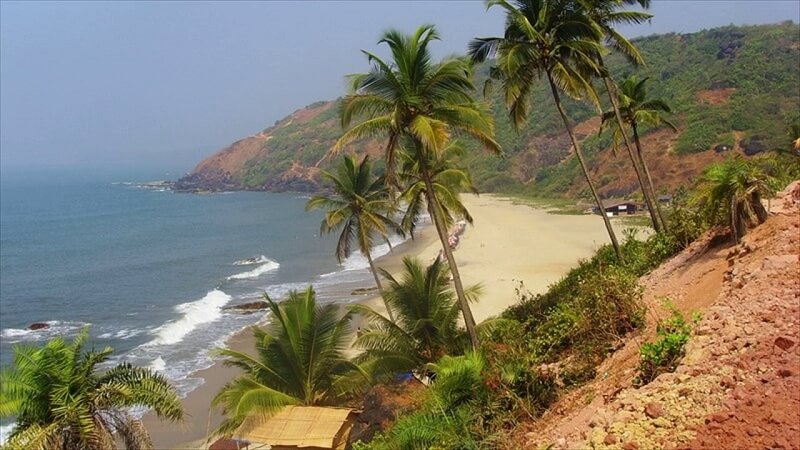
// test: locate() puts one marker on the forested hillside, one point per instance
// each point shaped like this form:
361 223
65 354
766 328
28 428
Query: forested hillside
732 89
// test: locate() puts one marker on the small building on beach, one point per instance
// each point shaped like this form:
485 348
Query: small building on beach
618 208
300 427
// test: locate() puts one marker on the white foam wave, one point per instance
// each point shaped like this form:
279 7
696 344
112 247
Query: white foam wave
5 432
357 261
268 266
207 309
250 261
121 334
158 364
55 328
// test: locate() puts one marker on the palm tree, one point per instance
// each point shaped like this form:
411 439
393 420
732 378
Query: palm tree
413 99
554 39
635 110
731 192
433 180
413 96
427 321
60 401
300 358
448 414
606 14
360 206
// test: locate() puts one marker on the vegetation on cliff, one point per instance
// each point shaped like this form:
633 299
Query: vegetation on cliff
733 87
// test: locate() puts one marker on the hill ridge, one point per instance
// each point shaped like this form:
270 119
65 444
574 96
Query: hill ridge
716 81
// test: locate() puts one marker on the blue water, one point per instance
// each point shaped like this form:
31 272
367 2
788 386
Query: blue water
150 269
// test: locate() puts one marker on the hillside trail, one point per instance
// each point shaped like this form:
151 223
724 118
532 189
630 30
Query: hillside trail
738 387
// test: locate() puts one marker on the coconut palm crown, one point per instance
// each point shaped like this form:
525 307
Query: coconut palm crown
731 192
426 326
413 96
552 39
61 401
360 206
299 358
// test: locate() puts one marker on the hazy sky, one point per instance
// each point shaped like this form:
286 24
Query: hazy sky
146 83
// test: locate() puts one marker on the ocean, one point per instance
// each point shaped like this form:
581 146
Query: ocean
149 270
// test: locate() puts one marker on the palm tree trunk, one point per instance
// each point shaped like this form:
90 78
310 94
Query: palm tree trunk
433 209
380 286
647 174
578 153
649 197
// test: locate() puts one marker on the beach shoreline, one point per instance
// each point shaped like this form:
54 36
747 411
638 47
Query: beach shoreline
509 243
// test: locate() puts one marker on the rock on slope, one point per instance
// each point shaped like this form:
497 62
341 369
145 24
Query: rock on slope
738 387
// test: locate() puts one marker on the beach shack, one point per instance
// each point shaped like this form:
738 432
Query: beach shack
618 208
300 427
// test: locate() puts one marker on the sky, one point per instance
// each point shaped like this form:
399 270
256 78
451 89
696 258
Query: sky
163 84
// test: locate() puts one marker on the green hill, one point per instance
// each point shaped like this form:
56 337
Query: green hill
735 86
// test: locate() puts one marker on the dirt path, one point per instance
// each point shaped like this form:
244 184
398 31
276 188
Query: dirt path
738 385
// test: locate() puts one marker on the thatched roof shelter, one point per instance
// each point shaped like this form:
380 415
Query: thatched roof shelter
300 427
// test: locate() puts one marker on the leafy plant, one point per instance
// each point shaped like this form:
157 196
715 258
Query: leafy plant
426 326
300 361
61 401
664 354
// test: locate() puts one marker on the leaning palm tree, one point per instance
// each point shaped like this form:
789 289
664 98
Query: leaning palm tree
731 192
361 207
60 401
411 97
299 360
433 181
553 39
606 14
427 321
637 110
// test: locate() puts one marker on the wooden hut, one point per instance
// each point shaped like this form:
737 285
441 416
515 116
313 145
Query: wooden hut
618 208
300 427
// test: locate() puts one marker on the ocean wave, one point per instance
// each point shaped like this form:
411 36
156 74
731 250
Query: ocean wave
5 432
158 365
250 261
121 334
268 266
207 309
357 261
56 328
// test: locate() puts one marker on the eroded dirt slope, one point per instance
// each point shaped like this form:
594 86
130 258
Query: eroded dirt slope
738 387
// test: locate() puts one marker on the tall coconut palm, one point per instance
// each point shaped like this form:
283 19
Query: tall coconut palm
411 95
427 321
360 206
61 401
300 358
731 192
636 110
606 14
553 39
412 98
433 181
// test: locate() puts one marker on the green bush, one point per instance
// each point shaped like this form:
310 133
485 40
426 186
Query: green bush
663 355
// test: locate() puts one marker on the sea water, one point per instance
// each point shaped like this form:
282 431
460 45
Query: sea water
150 270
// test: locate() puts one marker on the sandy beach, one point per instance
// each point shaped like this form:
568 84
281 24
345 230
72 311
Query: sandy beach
509 243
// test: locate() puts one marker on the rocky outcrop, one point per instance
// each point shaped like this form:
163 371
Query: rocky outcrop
247 308
38 326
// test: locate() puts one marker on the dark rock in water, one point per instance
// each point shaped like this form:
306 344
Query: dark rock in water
38 326
248 307
364 291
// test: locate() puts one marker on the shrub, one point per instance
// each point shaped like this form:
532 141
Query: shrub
663 355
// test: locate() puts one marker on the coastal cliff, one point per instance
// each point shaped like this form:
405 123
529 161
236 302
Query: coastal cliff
722 106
